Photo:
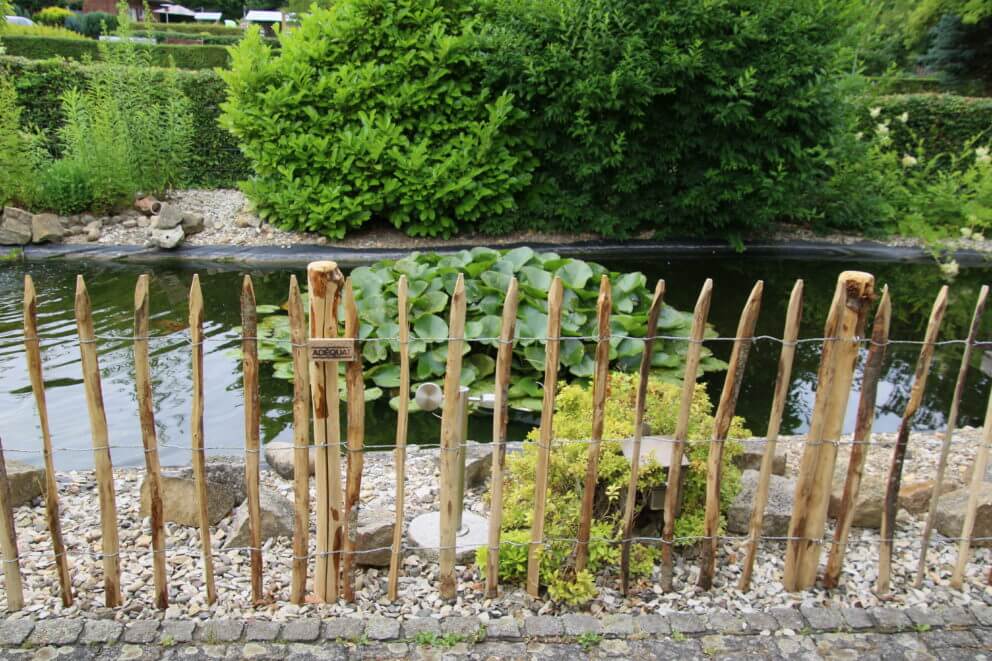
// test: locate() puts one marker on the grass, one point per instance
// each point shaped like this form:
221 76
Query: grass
12 255
589 640
441 641
678 636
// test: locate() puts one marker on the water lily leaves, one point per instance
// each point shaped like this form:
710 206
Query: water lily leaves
428 303
574 274
518 257
384 376
525 387
430 327
266 309
536 278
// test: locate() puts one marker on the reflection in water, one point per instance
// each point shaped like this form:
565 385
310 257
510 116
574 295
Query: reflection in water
111 288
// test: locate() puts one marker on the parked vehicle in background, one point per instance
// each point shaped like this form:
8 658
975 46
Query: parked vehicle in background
18 20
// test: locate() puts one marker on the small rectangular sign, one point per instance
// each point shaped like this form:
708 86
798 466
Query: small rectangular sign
344 349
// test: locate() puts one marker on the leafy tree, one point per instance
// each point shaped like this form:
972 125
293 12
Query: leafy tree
961 51
928 12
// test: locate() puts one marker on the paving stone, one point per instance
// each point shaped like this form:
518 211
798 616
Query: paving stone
301 630
543 626
956 616
416 625
576 624
984 636
467 627
261 630
343 628
983 614
503 627
129 652
667 650
220 631
857 618
823 619
614 647
925 618
957 654
653 625
382 628
890 619
789 618
948 638
56 632
687 622
176 631
141 632
309 652
257 651
100 632
726 623
15 632
618 625
500 650
721 646
758 622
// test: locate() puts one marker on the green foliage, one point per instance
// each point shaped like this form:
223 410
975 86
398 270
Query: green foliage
571 588
182 56
685 117
375 108
589 640
43 31
17 149
92 24
943 123
566 476
961 53
928 12
206 37
55 16
487 273
198 28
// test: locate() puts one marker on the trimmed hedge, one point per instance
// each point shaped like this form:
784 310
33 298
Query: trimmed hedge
210 28
943 122
216 159
184 56
207 39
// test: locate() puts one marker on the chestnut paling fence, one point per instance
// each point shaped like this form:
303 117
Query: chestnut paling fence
317 350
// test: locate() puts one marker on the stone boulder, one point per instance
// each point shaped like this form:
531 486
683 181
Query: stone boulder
225 491
27 482
94 229
915 497
279 457
247 220
478 463
870 501
15 228
192 223
46 228
277 519
169 217
951 511
166 239
373 537
969 471
754 452
778 511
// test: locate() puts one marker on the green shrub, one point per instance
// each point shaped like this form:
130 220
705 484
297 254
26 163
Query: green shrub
206 37
205 28
42 31
682 116
53 16
943 123
161 55
92 24
18 153
375 108
65 187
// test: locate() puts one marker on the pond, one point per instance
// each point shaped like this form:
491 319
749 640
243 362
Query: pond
111 287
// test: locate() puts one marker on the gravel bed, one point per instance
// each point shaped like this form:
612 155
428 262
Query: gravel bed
418 594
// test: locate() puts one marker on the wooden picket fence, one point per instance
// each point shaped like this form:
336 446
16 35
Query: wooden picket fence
317 350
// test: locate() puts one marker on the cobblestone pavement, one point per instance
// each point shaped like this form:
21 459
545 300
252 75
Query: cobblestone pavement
806 633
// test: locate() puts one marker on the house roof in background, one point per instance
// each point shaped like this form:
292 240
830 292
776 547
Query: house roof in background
174 10
264 16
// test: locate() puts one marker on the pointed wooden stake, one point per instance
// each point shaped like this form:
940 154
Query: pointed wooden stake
13 585
793 316
198 451
977 479
249 352
32 350
301 443
355 384
402 421
639 403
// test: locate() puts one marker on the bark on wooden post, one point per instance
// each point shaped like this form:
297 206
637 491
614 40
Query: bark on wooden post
783 378
861 440
198 451
13 585
101 447
402 420
501 410
721 426
249 351
355 383
639 403
845 324
599 382
952 421
301 443
146 416
902 440
451 424
692 357
32 350
325 282
977 478
545 437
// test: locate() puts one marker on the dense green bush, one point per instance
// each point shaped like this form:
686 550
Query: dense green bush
214 160
53 16
184 56
376 108
17 148
678 115
943 123
92 24
205 28
961 53
207 38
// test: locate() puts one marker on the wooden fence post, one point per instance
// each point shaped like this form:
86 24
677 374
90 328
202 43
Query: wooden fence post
902 440
13 584
977 478
146 415
355 383
790 335
325 282
198 452
861 439
601 377
301 443
451 424
639 403
721 426
845 324
952 421
546 436
402 421
504 360
32 349
692 357
101 447
249 353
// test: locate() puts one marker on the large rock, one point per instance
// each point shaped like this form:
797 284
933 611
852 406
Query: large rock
166 239
374 537
951 511
169 216
915 497
781 492
279 456
46 228
27 482
225 491
478 463
969 472
754 452
870 501
15 228
192 223
277 520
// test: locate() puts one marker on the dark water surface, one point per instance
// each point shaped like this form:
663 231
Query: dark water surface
111 286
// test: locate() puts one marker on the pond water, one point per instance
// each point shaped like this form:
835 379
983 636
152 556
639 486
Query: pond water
111 287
